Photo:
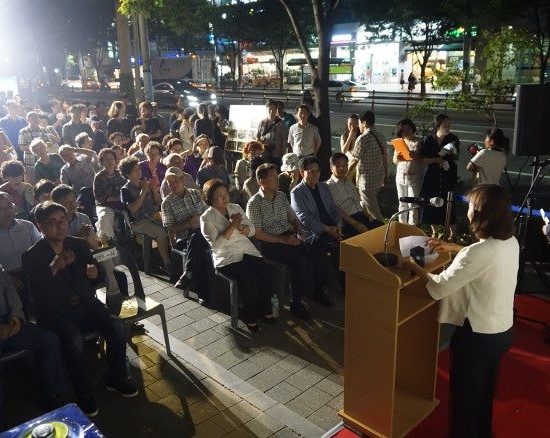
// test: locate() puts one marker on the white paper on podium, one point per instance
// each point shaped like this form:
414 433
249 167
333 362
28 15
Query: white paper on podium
409 242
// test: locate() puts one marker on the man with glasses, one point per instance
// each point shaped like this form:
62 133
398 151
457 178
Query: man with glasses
61 272
16 236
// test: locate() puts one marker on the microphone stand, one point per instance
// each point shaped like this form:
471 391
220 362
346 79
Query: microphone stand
385 258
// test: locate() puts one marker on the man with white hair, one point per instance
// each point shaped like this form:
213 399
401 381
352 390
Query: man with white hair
77 172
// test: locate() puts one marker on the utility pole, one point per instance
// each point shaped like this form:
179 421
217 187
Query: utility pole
136 54
123 37
145 58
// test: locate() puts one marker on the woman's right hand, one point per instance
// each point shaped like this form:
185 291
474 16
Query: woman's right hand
443 246
235 220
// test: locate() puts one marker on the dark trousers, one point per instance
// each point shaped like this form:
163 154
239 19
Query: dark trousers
350 231
328 245
255 278
70 327
309 267
198 263
47 353
475 359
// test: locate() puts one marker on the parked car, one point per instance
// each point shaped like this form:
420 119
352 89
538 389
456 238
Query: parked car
347 91
167 94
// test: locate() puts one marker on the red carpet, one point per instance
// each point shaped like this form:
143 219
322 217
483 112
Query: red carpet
522 402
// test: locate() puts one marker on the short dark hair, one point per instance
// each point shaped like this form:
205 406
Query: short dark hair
61 191
402 123
263 170
305 162
439 119
492 216
304 107
271 102
12 168
45 209
210 187
115 134
42 187
368 117
126 165
202 108
353 116
103 152
338 156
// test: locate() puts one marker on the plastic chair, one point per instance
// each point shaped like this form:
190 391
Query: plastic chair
133 308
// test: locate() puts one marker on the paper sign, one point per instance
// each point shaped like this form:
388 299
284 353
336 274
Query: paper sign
409 242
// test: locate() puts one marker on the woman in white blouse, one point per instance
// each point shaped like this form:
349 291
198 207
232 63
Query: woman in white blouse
409 174
477 295
226 228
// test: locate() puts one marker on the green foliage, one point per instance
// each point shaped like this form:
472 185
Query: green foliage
423 114
449 78
145 7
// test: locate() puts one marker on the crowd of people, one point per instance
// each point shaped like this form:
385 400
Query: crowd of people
70 172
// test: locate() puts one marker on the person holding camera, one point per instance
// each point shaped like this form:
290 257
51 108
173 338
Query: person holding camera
273 133
489 162
477 296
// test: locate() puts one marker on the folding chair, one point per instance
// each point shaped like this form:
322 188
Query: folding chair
133 308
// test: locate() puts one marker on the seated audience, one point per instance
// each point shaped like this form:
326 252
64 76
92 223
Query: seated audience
75 126
174 146
138 148
186 131
47 166
16 236
152 169
143 203
194 161
181 212
119 151
60 271
227 229
17 334
99 138
42 192
54 138
251 150
290 174
30 132
251 186
214 167
116 139
77 172
107 185
22 193
279 231
175 160
347 198
80 224
316 209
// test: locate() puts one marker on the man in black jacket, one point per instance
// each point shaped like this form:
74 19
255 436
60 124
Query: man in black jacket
60 271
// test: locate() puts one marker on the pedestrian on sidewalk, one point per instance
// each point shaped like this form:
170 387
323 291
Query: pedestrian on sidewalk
412 83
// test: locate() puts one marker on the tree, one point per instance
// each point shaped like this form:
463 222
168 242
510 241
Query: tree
324 16
538 14
421 24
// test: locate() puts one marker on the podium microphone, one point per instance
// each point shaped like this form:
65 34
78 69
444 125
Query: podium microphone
433 202
387 258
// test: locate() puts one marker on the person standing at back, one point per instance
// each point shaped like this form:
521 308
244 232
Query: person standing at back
370 156
489 162
304 137
272 132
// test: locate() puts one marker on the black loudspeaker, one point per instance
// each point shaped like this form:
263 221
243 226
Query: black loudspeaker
531 122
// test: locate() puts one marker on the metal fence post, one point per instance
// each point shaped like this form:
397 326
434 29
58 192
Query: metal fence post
373 97
446 101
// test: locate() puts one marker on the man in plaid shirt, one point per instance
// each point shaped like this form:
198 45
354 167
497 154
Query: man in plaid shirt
181 211
281 235
26 136
371 158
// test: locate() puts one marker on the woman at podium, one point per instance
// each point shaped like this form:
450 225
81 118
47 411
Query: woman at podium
477 295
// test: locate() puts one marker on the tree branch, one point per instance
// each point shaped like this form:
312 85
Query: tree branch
299 34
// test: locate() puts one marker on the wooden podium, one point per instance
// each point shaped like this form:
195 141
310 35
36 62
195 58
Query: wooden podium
391 338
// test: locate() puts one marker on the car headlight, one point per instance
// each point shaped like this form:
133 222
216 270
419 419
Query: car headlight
192 98
213 96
